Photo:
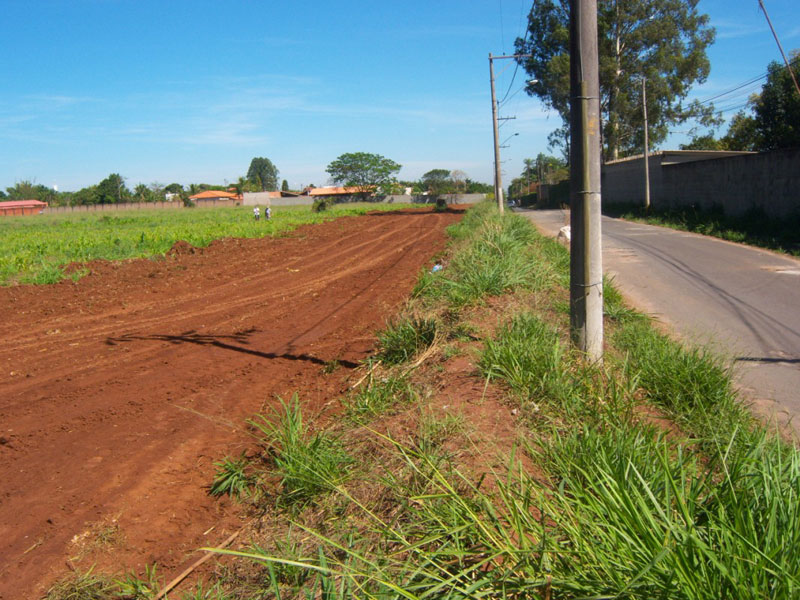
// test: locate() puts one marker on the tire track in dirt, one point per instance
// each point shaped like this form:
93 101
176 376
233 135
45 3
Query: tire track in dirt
172 356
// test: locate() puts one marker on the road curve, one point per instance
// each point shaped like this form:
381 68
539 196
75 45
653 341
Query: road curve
741 300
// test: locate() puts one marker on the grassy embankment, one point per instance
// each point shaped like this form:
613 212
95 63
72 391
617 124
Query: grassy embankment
641 479
753 228
35 249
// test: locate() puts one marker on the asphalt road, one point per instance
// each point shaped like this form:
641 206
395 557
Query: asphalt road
744 302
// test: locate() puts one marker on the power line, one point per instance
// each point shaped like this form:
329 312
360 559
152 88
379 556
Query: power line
734 89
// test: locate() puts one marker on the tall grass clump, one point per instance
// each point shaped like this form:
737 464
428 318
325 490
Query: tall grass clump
378 397
528 355
690 383
405 338
308 464
637 516
496 254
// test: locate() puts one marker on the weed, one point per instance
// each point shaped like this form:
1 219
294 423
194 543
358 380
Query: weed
132 587
378 397
331 366
82 586
307 464
402 340
232 478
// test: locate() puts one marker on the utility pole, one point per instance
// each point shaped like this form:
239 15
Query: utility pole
498 178
777 41
498 186
646 148
586 262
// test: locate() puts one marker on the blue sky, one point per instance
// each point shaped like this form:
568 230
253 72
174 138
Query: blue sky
190 91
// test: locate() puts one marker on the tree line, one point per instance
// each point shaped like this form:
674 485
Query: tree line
367 173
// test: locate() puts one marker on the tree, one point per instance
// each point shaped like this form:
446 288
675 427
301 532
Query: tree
663 41
112 190
437 182
742 134
704 142
459 179
364 171
173 188
777 108
263 174
241 186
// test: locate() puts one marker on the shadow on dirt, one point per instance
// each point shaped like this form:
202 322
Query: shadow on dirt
226 342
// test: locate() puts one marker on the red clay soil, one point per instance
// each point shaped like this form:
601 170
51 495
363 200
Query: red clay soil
120 391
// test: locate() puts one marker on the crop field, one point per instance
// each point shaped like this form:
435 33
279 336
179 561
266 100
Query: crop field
36 249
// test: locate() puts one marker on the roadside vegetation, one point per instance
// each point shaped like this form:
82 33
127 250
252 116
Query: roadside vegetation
36 249
641 478
754 228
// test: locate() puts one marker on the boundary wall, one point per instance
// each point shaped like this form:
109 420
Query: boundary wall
735 181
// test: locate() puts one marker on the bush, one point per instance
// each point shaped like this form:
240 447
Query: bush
321 204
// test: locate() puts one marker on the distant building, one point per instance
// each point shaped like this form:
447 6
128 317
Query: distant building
214 196
331 191
22 207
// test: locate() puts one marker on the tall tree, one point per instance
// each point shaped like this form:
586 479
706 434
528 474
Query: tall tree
437 182
263 174
112 190
777 108
664 41
366 172
285 186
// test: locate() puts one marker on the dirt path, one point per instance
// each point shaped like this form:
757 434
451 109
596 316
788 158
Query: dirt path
119 392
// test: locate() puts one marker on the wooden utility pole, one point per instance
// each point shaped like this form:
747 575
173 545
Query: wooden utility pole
586 263
498 182
646 148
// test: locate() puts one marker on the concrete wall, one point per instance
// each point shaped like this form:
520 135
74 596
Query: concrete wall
769 181
623 180
264 199
424 199
736 181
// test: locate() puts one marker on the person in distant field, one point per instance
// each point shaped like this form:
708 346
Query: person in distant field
268 213
256 213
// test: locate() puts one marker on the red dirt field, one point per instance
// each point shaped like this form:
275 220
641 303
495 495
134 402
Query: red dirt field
120 391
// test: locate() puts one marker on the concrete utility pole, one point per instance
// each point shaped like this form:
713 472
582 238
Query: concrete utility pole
498 185
586 262
498 178
646 148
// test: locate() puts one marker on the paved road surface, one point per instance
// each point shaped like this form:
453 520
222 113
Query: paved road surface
743 301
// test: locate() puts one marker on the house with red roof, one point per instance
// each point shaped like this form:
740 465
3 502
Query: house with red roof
214 196
21 207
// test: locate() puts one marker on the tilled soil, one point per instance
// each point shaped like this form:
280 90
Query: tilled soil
120 391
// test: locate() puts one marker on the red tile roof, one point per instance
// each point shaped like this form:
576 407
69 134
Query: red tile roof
22 204
332 191
213 194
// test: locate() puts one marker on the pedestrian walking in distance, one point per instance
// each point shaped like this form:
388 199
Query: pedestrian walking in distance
268 213
256 213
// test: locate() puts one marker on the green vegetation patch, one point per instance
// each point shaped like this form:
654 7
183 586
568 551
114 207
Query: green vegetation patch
753 227
36 249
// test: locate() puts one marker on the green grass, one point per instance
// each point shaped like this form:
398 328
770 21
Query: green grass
233 478
754 227
35 249
625 510
378 397
308 464
497 254
405 338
